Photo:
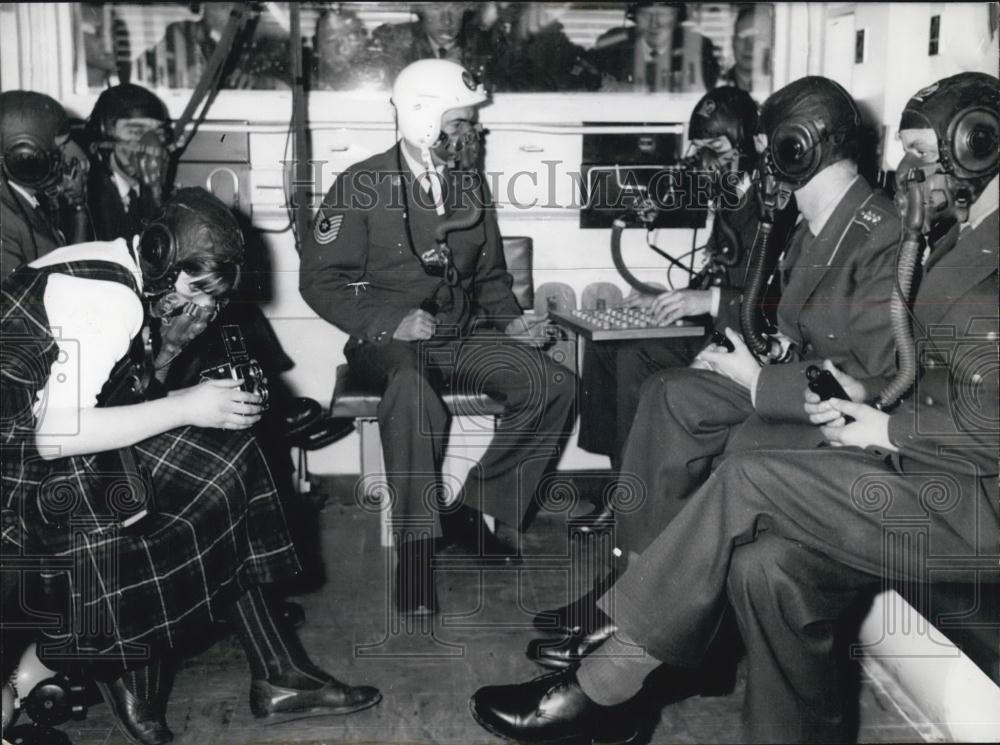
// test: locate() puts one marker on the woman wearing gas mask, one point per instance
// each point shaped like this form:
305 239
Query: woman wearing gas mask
405 256
155 516
792 539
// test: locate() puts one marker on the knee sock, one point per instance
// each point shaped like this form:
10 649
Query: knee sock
615 672
146 683
273 651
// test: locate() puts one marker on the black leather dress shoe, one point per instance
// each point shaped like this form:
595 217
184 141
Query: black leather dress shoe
415 592
333 698
551 709
466 538
142 722
568 652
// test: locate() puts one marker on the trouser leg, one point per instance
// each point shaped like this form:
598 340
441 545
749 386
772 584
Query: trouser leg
788 601
636 362
413 424
683 421
538 396
841 502
598 399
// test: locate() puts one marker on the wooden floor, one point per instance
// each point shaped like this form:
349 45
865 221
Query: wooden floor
426 674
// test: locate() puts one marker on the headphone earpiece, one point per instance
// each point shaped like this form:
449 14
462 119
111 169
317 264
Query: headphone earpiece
974 142
157 252
796 150
27 162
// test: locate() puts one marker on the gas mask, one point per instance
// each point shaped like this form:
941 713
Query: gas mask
720 168
460 149
925 191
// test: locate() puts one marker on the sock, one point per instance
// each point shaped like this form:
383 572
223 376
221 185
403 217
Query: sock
615 673
273 651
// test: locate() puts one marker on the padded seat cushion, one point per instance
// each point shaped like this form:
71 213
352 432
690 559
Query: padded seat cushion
355 397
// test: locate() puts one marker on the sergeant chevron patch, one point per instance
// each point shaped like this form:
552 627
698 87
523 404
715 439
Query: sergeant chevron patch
327 229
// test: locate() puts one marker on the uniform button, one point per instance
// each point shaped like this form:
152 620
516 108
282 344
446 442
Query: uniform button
831 336
977 378
929 401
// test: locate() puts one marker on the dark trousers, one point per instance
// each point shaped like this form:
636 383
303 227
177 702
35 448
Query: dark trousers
611 380
863 518
537 395
682 424
790 604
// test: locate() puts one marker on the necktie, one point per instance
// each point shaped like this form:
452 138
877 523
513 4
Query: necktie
651 71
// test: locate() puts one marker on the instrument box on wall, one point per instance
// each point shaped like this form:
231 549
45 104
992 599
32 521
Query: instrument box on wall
621 170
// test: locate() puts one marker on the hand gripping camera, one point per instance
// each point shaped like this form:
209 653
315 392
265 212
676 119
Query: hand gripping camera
239 365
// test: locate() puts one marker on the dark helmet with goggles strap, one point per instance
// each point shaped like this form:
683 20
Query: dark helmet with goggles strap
727 112
810 124
30 122
964 112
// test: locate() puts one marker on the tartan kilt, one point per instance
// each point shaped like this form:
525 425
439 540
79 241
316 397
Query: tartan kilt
215 528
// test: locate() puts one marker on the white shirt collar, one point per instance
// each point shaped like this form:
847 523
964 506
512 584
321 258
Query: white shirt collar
417 168
28 196
123 186
819 198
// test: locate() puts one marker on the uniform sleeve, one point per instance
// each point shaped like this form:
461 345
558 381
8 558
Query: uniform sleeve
493 282
333 271
923 426
872 352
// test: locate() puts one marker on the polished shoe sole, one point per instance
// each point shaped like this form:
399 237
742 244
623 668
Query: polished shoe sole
260 710
633 739
109 700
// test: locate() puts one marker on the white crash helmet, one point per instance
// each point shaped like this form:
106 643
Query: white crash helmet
424 90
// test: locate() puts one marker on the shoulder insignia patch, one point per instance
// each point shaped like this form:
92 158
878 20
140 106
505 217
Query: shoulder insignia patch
327 229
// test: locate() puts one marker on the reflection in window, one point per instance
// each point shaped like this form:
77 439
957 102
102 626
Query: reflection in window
513 46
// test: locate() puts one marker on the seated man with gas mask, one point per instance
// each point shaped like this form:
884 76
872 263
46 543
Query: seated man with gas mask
795 538
721 132
33 131
154 516
405 258
835 281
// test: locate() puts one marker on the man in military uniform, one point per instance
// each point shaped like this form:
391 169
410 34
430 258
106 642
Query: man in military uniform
835 281
793 539
406 259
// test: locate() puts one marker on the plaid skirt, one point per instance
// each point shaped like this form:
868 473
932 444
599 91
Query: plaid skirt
215 528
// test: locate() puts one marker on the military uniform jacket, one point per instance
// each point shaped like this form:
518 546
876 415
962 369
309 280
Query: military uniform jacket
22 241
835 301
359 273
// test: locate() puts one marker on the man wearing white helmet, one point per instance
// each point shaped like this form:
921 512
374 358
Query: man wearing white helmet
404 257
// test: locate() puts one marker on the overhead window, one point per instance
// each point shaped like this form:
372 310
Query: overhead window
513 47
